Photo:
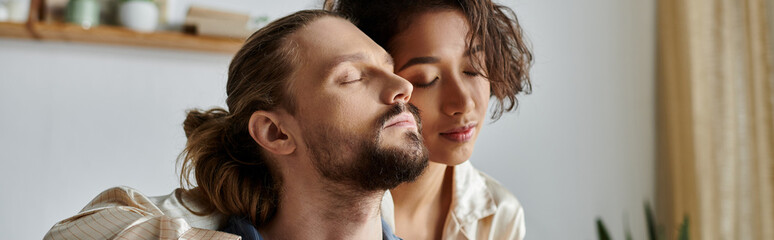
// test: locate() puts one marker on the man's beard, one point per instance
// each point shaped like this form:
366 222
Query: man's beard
373 167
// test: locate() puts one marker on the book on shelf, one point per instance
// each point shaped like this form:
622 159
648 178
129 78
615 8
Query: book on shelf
211 22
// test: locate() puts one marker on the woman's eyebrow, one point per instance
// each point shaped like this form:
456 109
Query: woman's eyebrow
419 60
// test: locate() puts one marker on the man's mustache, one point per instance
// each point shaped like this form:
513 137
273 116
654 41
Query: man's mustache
398 109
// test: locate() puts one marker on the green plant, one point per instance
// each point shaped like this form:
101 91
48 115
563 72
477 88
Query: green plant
654 231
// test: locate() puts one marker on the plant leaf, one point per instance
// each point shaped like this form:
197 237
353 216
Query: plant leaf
651 222
602 230
661 233
684 230
627 228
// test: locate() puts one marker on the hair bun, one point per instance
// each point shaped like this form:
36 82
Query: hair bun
197 118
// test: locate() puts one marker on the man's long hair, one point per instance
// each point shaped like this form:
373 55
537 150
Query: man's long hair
223 168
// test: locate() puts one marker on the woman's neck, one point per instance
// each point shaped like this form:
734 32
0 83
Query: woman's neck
423 191
424 202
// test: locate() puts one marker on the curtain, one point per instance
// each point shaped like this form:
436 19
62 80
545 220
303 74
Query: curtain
716 130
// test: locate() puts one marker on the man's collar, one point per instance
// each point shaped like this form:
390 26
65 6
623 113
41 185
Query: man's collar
241 226
387 233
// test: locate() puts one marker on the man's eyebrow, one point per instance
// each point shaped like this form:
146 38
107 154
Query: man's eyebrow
419 60
356 57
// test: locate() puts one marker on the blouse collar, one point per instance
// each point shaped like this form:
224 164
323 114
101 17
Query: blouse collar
472 199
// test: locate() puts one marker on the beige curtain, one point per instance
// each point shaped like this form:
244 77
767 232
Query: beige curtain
716 131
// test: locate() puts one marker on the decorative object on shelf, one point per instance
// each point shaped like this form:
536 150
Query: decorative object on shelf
54 11
108 14
3 12
210 22
139 15
173 14
258 22
83 12
17 10
166 19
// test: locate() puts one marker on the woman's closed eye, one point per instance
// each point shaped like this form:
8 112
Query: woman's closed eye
426 85
471 73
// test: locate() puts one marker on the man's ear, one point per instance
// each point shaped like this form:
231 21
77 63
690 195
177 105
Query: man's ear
265 129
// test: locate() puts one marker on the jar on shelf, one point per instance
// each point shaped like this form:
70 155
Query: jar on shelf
139 15
83 12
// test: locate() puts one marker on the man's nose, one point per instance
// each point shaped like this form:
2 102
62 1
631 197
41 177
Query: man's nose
396 89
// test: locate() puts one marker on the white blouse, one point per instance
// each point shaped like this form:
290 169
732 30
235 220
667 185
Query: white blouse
481 208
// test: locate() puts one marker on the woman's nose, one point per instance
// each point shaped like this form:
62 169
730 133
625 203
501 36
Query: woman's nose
456 96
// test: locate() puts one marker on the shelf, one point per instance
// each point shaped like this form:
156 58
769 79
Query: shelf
122 36
14 30
34 28
119 36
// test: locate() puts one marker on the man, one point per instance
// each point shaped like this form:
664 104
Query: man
318 129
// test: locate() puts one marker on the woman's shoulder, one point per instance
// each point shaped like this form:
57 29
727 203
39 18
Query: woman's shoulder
502 196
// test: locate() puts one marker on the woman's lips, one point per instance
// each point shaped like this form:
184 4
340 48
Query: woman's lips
460 134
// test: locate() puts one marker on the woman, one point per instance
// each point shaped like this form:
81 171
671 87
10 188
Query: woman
457 54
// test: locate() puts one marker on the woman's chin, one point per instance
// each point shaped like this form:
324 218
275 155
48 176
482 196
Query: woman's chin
450 153
452 159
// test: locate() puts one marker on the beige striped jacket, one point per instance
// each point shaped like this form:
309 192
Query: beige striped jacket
125 213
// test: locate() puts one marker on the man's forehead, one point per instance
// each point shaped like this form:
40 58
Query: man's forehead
328 31
329 41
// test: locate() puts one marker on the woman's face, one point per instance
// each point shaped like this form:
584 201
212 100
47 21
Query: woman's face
432 53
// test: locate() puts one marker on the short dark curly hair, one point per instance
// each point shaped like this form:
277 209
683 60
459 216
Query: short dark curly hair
507 58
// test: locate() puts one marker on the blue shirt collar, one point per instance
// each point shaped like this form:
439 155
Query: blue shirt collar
241 226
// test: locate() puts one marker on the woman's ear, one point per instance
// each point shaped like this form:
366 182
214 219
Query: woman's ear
266 130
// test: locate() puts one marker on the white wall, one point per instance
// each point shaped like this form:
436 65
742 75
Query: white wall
582 145
76 119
